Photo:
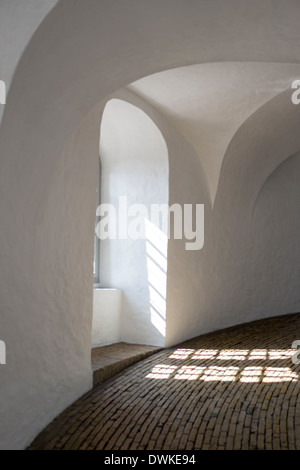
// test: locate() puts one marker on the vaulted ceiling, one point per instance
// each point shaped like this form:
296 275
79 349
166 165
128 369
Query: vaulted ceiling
208 103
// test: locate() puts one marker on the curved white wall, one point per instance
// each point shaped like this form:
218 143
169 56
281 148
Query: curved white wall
245 282
81 53
46 314
277 246
18 21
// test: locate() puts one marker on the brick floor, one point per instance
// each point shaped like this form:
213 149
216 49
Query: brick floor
107 361
233 389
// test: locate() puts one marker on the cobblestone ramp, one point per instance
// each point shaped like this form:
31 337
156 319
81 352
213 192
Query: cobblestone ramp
233 389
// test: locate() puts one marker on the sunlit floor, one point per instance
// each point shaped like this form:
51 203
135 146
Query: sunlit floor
233 389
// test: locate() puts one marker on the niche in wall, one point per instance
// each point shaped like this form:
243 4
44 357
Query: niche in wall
134 172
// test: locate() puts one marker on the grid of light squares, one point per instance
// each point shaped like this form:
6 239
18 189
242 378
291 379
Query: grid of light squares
221 372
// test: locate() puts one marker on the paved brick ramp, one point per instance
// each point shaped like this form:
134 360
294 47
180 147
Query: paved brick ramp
107 361
233 389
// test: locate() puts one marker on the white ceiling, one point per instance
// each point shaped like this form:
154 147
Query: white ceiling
207 103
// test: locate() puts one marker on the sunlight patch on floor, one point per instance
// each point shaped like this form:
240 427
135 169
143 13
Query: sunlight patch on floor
215 370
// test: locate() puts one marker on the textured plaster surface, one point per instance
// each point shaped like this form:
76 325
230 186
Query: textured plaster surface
58 66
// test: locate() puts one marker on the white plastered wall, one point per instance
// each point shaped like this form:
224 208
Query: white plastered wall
107 317
49 341
81 53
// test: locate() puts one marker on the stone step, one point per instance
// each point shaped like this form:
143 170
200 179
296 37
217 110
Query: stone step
108 361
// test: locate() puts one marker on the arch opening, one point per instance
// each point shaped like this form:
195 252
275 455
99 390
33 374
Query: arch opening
133 246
